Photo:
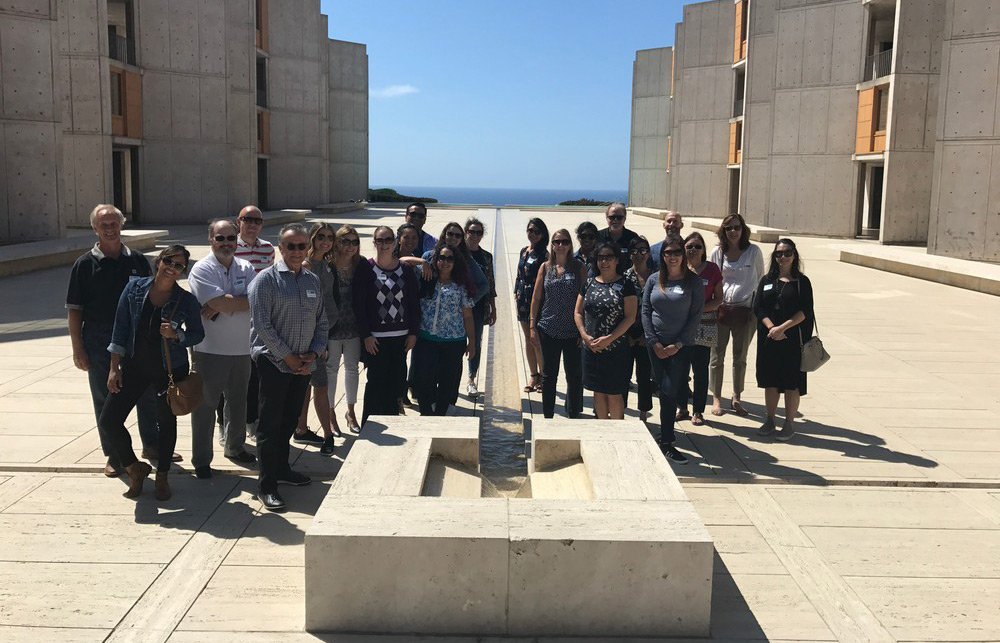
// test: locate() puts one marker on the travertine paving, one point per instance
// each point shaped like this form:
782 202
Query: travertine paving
879 521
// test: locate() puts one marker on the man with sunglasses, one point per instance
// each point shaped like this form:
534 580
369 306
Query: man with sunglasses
672 222
220 282
288 331
617 232
260 253
416 213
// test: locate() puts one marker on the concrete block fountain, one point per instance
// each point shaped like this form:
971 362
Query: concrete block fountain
600 541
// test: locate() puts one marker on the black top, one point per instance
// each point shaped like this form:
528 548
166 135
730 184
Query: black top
148 345
96 283
780 300
485 261
604 307
623 242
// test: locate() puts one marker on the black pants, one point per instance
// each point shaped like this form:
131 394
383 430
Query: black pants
281 398
253 394
437 370
699 357
386 377
640 358
569 349
669 375
137 377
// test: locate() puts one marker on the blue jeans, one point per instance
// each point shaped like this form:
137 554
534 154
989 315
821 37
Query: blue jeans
669 375
479 321
95 341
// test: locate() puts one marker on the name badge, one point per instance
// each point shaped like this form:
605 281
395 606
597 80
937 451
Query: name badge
311 294
382 277
677 290
768 286
567 276
617 286
704 282
239 282
133 271
530 261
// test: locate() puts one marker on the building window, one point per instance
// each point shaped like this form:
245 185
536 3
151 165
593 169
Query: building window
117 94
670 141
261 82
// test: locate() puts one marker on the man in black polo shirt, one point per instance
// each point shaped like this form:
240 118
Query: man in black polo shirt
617 232
95 285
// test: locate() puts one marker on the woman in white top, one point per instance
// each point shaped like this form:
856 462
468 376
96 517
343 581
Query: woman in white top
742 265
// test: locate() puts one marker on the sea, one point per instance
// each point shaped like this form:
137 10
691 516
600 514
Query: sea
507 196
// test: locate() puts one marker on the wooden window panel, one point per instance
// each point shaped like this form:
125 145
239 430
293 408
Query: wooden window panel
263 132
738 46
733 145
133 104
865 143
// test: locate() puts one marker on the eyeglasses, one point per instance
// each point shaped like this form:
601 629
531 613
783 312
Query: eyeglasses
453 235
673 253
224 237
639 251
616 217
350 242
474 233
732 228
173 264
384 240
254 220
295 246
784 253
694 246
561 242
586 237
446 258
324 237
606 257
417 215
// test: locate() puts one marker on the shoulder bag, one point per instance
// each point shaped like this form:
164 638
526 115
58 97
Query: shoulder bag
184 396
813 353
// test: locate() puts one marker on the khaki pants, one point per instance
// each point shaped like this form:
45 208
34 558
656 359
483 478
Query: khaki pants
742 337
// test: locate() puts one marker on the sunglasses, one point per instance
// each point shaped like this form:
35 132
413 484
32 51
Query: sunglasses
446 258
350 242
295 246
639 251
173 264
454 235
694 246
384 240
474 233
324 237
606 257
732 228
586 237
561 242
784 253
254 220
417 215
615 217
533 231
224 237
673 253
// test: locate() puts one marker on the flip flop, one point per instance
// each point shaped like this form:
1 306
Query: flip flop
738 408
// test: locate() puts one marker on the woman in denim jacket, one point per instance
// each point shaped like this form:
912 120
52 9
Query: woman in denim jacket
150 310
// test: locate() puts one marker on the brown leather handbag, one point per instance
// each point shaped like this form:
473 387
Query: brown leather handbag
733 316
184 396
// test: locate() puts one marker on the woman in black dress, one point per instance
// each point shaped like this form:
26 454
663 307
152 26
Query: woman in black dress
784 309
531 259
605 309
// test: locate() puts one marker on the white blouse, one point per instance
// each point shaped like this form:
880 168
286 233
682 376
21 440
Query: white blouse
740 277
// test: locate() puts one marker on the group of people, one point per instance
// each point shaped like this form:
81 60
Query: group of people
667 312
268 331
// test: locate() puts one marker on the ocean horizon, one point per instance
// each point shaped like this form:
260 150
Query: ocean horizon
506 196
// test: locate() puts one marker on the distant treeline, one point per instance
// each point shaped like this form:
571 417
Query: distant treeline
585 202
388 195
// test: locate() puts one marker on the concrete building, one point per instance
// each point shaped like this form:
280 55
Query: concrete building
871 118
177 112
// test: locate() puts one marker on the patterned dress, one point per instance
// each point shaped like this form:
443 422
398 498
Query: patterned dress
608 371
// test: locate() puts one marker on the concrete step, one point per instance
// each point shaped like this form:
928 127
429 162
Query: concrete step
19 258
915 262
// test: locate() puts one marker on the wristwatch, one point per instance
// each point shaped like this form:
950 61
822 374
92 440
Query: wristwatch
679 345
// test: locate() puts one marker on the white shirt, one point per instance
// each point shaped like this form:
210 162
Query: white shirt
229 334
740 277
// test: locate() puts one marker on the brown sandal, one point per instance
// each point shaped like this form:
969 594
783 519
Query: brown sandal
698 419
535 384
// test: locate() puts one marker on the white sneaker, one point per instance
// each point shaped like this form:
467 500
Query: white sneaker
472 390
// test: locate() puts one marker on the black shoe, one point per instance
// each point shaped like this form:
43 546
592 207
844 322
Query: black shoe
673 454
307 437
272 501
328 446
243 457
204 472
295 479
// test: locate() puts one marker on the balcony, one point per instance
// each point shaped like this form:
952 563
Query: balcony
121 49
878 65
738 107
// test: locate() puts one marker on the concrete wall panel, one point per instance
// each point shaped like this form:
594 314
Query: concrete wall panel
838 199
185 106
757 132
211 38
787 109
909 112
156 112
917 42
213 109
761 68
842 120
755 178
907 198
154 26
763 16
85 99
26 68
31 157
964 200
972 86
813 121
971 18
848 39
791 32
817 54
86 20
781 206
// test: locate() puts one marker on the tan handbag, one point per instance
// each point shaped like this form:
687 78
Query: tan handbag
184 396
813 353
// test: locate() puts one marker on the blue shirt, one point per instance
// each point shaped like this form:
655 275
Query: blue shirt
183 308
286 315
442 318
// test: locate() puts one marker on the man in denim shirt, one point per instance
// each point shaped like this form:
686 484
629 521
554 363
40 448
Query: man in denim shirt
95 284
288 331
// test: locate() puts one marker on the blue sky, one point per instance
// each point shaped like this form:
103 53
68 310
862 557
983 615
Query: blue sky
513 93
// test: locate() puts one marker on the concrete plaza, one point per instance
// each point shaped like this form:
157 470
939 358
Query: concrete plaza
879 521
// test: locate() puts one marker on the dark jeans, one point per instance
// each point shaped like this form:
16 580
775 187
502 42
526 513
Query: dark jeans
281 399
640 358
669 375
699 357
139 378
571 357
479 321
253 394
437 369
95 342
386 377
